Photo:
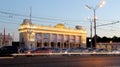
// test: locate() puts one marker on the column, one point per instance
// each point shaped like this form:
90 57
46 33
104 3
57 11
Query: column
28 40
75 41
80 41
50 40
69 41
56 40
63 40
0 40
42 41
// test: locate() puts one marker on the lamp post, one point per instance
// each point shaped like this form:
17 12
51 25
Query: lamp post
90 30
94 13
30 32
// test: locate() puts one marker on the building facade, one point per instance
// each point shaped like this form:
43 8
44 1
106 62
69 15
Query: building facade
109 45
58 36
5 40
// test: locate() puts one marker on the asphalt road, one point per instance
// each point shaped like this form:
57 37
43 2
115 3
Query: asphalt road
61 61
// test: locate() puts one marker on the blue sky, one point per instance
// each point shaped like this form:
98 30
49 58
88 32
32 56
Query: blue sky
68 12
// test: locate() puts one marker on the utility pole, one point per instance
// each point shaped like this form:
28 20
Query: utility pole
90 31
29 30
94 13
4 38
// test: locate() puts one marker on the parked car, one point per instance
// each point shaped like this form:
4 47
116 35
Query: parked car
100 50
55 50
39 50
116 51
8 50
22 50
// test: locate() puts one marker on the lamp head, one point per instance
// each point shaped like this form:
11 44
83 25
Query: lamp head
102 3
88 7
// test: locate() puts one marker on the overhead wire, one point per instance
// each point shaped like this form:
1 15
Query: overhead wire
43 18
108 24
47 20
53 20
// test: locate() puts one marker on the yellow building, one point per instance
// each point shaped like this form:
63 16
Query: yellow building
58 36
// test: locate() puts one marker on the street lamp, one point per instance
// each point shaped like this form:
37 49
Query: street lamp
90 30
94 11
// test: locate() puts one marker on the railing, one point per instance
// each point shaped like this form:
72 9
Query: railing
50 54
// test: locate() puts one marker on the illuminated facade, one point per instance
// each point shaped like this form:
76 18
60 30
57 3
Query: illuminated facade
32 36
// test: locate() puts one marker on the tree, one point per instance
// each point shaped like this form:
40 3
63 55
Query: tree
115 39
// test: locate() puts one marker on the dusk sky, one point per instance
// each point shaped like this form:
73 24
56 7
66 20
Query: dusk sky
68 12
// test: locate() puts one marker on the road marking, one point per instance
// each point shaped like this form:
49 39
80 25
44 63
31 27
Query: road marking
6 57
